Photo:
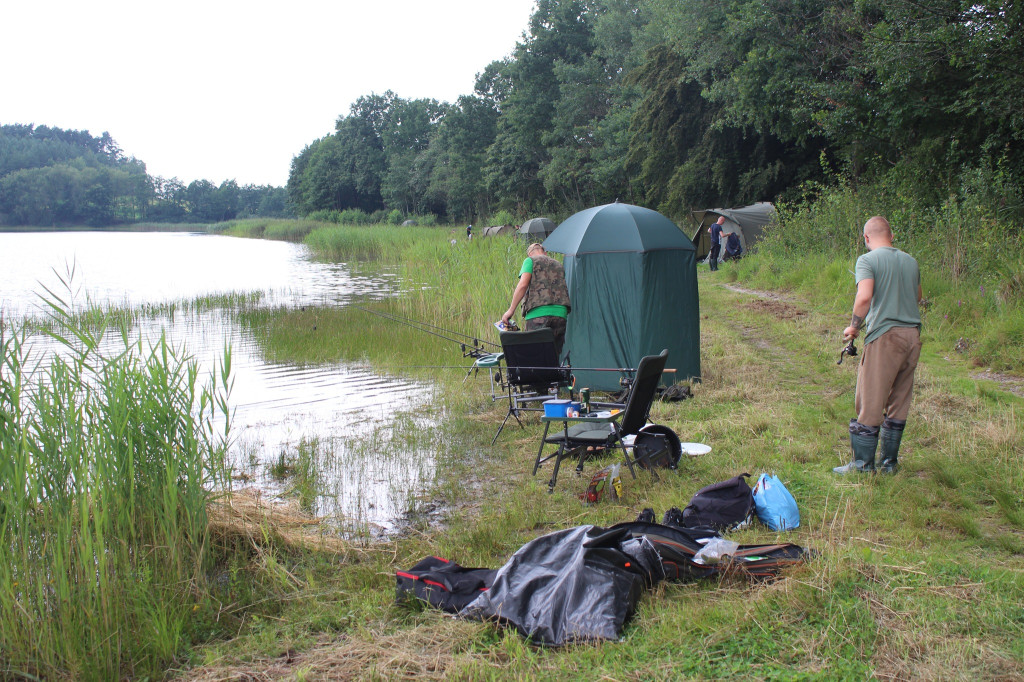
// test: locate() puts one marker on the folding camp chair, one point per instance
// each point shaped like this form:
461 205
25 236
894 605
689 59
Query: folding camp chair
532 372
626 430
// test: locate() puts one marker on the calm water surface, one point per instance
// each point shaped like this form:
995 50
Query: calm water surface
346 414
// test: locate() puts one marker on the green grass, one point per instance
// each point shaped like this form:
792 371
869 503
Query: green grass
972 270
917 576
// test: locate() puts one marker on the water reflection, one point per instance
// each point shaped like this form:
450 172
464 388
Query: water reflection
343 425
156 267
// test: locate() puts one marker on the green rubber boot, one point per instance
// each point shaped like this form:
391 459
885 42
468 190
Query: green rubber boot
890 435
863 445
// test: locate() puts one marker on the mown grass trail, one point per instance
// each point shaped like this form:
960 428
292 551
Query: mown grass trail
918 576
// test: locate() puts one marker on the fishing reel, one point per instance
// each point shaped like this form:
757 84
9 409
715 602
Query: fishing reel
848 349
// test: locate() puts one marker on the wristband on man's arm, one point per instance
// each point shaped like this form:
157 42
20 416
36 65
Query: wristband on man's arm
856 321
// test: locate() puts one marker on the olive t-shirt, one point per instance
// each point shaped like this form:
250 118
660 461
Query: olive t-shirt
541 310
897 281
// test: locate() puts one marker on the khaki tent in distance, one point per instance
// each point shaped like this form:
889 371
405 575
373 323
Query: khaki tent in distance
494 230
748 222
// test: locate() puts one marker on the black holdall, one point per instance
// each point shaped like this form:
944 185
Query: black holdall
443 584
723 506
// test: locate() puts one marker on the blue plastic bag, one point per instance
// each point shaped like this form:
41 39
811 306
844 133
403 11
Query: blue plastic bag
774 505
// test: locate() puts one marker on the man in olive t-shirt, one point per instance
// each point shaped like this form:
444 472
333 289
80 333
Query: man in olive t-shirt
543 293
888 293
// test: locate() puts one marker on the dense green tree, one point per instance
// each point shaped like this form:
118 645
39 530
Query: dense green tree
169 202
679 104
406 135
274 203
587 141
455 159
263 201
340 171
50 176
560 33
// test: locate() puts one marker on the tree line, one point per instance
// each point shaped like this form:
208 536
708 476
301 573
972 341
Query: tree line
680 104
50 176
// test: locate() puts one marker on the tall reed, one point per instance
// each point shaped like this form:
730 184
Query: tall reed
106 463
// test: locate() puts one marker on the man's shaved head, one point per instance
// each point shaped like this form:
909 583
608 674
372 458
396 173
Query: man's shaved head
877 227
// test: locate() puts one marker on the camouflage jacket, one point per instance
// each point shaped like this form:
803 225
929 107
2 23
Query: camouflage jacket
547 285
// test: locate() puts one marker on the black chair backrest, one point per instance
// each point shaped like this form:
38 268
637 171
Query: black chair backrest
530 358
641 393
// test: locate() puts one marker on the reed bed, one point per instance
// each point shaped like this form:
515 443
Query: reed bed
105 475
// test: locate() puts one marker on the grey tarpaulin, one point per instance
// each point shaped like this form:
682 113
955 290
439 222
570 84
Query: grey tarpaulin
575 585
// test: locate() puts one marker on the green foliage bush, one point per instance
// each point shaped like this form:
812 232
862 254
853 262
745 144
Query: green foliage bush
352 216
502 217
971 268
425 220
327 215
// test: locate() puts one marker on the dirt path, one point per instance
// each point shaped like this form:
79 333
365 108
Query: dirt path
1014 385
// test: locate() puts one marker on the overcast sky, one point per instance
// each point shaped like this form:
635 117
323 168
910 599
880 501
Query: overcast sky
226 89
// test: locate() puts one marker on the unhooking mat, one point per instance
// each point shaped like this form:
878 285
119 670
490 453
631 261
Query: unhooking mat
580 584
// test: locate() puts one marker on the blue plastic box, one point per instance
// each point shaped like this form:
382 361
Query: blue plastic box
559 408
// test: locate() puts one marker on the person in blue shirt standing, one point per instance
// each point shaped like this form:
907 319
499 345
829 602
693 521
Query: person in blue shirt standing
716 242
887 301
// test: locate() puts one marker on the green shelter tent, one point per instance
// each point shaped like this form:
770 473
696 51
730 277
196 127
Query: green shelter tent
632 278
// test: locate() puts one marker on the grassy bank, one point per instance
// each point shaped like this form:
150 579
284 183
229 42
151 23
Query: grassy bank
918 575
972 267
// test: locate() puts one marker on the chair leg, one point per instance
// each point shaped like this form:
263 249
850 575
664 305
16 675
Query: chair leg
513 411
554 473
626 458
510 413
491 373
536 463
562 454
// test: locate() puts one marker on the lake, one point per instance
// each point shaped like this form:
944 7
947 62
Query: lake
342 415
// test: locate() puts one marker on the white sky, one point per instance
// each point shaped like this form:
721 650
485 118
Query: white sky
230 89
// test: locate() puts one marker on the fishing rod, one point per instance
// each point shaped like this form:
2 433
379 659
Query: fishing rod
475 345
568 369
